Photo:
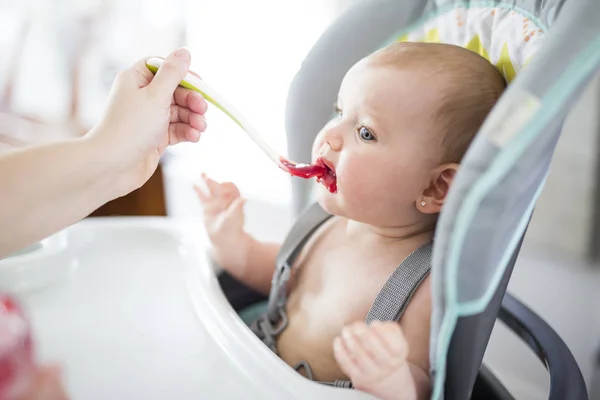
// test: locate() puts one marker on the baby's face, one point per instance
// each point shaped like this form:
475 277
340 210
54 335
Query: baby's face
381 145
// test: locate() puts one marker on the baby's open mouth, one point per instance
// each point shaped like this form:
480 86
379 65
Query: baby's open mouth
327 178
322 169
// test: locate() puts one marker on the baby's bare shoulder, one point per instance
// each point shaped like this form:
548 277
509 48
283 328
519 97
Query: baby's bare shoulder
416 325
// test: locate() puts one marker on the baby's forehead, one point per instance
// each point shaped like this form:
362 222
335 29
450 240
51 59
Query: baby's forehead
389 87
434 60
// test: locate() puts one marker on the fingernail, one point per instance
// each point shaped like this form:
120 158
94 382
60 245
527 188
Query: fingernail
183 54
203 124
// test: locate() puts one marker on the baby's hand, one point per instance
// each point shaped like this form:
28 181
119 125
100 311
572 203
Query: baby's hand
223 209
374 357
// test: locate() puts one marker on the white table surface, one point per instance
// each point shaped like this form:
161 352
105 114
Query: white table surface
141 316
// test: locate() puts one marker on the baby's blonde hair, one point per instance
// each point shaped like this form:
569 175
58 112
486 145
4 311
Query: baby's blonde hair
470 88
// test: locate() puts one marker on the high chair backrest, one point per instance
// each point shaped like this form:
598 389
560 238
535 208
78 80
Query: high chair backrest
547 50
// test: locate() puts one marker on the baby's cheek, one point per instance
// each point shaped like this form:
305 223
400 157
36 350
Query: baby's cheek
378 181
362 174
360 183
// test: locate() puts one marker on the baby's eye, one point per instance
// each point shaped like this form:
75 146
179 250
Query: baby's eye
365 134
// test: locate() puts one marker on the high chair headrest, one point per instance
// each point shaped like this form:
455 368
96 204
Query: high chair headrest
505 37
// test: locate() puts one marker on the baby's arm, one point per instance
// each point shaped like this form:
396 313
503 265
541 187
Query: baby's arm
259 265
245 258
377 359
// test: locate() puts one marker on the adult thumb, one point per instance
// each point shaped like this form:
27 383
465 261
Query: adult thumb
171 72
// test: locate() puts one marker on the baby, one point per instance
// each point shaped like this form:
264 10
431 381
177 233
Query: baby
405 116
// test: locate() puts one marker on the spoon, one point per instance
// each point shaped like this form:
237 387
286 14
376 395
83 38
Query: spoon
318 170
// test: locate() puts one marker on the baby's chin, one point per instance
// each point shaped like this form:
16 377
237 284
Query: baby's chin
328 201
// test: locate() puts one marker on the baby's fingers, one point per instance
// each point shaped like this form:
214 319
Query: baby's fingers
203 197
353 338
236 208
215 197
344 358
391 336
230 189
225 191
372 344
210 203
206 188
214 188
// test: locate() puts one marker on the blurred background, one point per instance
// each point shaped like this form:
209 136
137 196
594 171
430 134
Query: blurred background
58 60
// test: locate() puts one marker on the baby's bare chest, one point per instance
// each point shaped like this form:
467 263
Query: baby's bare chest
334 286
337 287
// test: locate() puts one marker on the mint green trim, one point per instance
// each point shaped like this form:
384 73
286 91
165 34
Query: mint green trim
444 337
208 98
581 67
449 7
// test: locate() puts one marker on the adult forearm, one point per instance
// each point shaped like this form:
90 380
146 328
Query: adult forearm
46 188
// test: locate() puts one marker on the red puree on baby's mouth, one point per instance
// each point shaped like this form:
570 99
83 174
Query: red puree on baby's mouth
318 170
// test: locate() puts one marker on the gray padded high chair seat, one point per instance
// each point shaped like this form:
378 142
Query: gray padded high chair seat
389 305
547 50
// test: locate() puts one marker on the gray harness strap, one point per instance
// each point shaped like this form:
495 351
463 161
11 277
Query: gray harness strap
389 305
391 302
274 321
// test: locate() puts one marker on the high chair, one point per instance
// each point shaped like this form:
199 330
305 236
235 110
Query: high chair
547 51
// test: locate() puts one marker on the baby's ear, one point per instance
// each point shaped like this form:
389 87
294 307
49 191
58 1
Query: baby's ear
434 196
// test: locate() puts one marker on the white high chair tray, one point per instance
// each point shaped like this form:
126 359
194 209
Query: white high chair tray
142 317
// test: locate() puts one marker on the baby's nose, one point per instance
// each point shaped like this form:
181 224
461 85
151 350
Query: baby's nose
334 143
332 139
326 148
329 139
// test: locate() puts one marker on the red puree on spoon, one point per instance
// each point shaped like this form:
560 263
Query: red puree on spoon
322 172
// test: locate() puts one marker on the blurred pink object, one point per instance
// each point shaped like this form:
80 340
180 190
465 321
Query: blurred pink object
16 350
